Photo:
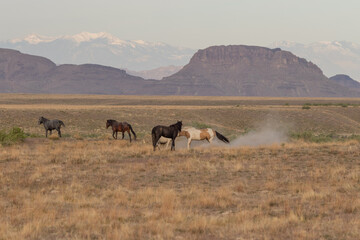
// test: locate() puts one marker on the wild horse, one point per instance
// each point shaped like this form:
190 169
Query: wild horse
208 134
120 127
171 131
50 125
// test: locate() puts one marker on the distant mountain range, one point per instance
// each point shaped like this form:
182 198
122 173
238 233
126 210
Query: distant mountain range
336 57
215 71
157 73
154 60
102 48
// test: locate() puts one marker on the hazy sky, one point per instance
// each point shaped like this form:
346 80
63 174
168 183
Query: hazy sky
188 23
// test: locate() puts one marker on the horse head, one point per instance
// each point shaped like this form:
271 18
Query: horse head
179 125
41 120
109 123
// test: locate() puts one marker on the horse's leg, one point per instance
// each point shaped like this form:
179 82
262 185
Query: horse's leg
158 145
122 135
189 142
116 134
173 144
155 140
50 132
129 134
59 132
46 132
167 144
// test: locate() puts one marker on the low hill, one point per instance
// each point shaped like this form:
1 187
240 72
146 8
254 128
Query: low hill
23 73
346 81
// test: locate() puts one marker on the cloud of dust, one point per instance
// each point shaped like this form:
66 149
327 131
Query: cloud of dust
264 136
266 133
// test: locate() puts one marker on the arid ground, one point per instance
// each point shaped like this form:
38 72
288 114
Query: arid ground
302 182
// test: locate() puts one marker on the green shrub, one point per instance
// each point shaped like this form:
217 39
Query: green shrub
344 104
65 135
200 125
33 135
330 104
91 135
15 135
321 138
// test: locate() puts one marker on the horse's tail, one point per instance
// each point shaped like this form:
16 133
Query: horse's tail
131 129
61 123
153 136
222 138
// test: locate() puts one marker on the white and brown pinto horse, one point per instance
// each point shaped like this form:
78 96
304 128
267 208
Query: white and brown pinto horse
163 141
208 134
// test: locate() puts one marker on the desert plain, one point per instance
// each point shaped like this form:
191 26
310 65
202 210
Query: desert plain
291 171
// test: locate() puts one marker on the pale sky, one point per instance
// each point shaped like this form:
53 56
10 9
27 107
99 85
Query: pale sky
187 23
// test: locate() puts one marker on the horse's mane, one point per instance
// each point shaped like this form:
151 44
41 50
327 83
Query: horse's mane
111 120
177 125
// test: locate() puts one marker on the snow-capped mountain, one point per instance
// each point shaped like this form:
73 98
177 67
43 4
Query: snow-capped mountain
336 57
102 48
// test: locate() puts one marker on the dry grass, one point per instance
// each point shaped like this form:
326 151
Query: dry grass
104 189
82 187
85 116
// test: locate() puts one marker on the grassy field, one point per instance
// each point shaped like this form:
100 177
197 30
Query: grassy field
89 186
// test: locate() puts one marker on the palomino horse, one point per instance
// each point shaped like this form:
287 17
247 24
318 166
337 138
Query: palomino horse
208 134
171 131
50 125
120 127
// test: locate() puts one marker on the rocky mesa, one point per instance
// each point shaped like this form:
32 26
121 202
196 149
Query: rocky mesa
252 71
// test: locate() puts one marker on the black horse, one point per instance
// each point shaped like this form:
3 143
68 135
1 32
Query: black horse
50 125
169 132
120 127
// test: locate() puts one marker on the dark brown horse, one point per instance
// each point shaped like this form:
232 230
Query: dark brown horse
171 131
120 127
